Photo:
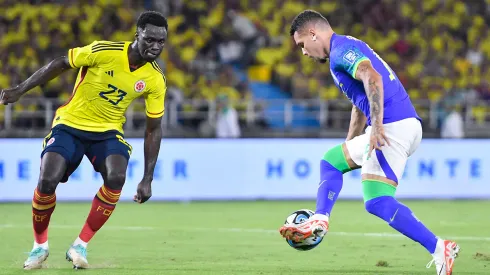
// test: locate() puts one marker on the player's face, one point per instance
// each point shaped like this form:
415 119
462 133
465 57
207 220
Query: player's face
311 46
151 41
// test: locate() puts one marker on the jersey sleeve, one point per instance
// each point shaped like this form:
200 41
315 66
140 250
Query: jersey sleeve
82 56
155 98
347 58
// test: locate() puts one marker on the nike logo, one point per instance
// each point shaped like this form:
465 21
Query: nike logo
394 215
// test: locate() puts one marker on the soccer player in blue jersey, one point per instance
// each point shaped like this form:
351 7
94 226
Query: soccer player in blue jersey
393 134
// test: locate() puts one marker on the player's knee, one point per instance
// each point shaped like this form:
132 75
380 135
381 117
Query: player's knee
372 206
380 207
115 179
47 183
327 170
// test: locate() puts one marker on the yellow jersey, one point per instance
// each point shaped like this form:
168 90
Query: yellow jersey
106 86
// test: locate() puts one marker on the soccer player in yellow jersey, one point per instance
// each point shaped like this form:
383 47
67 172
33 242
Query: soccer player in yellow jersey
111 75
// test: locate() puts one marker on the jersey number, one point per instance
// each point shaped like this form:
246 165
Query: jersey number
392 75
120 94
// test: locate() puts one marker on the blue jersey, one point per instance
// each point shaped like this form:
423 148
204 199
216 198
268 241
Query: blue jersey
346 52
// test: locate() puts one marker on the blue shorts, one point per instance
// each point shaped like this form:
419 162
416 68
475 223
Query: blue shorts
73 144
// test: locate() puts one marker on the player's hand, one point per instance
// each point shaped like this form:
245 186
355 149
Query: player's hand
377 139
143 192
10 95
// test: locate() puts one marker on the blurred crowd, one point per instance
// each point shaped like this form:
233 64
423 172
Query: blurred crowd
32 33
440 49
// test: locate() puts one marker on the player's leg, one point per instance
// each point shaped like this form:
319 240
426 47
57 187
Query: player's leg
336 162
58 154
380 176
113 172
110 158
53 168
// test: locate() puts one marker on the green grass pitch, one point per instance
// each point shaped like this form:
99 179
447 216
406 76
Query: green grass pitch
241 238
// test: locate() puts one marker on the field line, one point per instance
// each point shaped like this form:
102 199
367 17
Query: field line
246 230
346 234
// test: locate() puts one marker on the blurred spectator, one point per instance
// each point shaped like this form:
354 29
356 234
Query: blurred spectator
247 33
483 90
227 125
453 125
474 55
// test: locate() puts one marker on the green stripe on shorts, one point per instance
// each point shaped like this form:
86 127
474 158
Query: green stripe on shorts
372 189
336 158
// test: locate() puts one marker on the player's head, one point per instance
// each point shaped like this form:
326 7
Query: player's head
151 34
310 31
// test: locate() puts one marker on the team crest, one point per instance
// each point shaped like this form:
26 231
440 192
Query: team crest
50 141
139 86
351 56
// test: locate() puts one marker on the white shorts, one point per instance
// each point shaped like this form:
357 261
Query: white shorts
404 137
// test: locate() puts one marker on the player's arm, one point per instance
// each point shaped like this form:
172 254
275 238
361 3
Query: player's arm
349 59
52 70
76 58
153 138
155 102
357 123
373 85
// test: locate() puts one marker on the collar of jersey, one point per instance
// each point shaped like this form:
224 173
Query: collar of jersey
126 60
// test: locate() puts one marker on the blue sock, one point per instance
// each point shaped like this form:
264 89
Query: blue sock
401 218
330 185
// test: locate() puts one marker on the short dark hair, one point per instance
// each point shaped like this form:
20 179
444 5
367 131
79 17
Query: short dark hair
305 17
152 18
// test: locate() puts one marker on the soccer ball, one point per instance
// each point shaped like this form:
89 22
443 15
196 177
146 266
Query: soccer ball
297 217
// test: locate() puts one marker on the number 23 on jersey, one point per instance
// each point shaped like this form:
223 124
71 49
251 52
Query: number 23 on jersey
113 92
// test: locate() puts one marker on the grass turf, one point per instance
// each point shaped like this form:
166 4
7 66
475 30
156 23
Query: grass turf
242 238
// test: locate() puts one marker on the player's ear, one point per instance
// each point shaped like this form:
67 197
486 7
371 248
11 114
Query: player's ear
312 34
137 33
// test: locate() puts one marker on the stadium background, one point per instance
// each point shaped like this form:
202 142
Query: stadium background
289 114
439 49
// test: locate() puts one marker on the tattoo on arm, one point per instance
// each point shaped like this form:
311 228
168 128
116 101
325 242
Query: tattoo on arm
373 85
375 99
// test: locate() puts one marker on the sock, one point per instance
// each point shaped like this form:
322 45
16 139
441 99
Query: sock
103 205
79 241
402 219
329 189
43 245
332 167
42 207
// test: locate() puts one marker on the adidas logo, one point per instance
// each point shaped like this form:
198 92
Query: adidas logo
111 73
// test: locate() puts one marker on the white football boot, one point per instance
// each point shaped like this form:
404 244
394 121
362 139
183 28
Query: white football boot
315 225
36 258
77 254
444 256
